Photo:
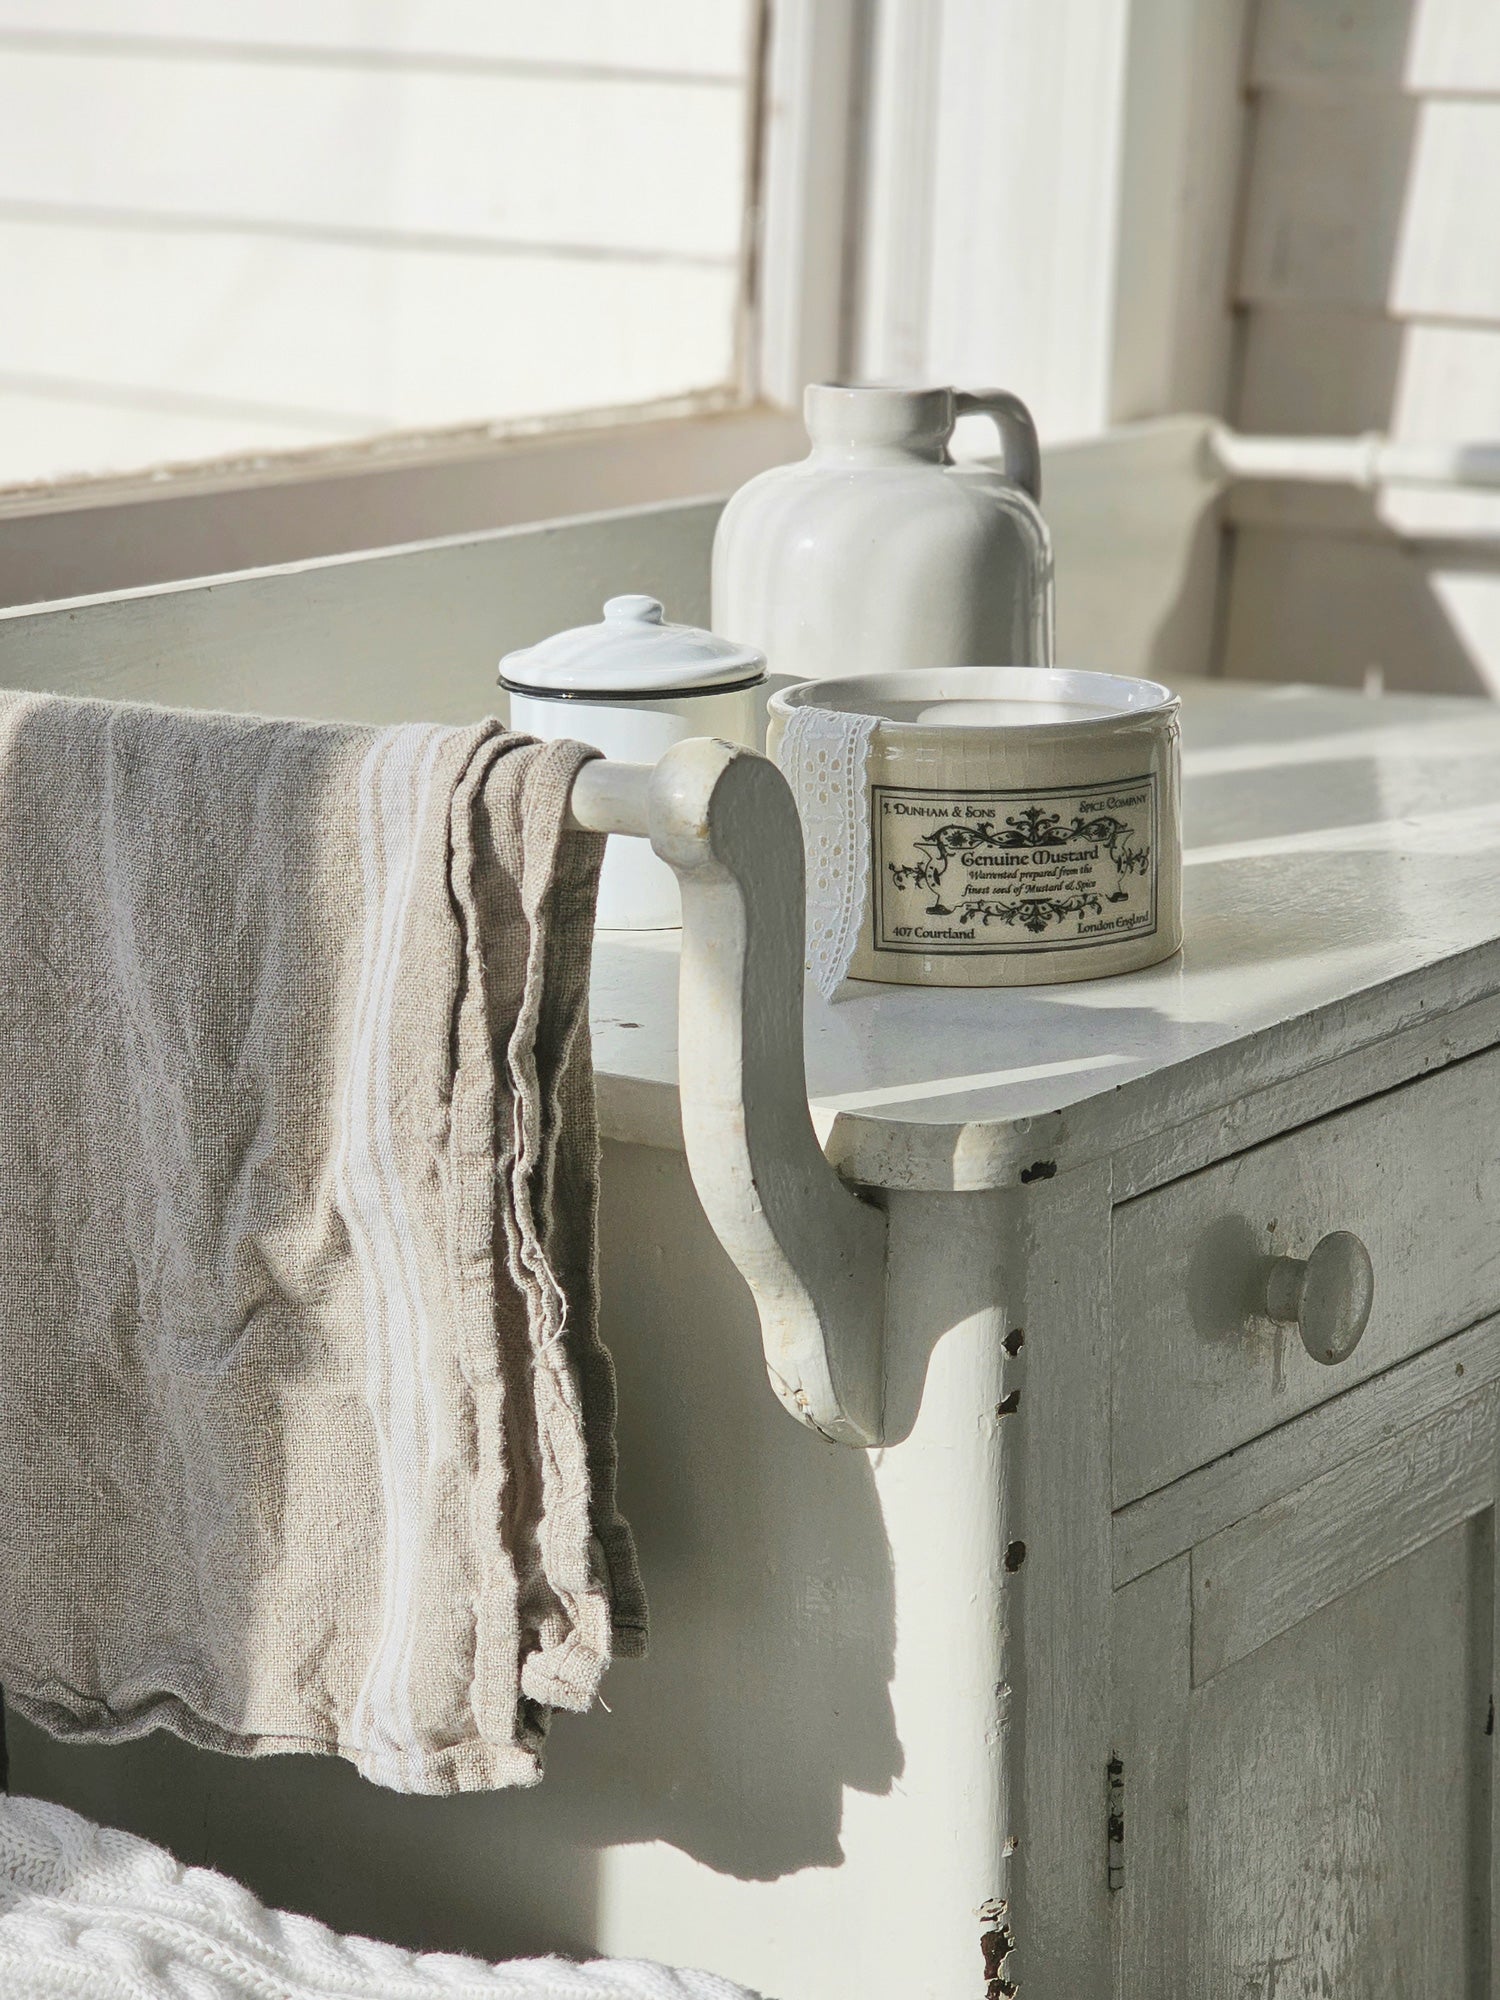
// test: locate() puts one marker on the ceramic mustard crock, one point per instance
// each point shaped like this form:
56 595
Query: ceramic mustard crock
1024 824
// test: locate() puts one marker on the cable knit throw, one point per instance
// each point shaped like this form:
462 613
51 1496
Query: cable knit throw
307 1436
87 1913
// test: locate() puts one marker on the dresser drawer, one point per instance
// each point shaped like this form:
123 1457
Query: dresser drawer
1200 1367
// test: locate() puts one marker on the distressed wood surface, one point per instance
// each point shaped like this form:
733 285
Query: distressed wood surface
1152 1628
1302 1709
1484 1766
1165 1524
1057 1558
1338 1794
1199 1368
1278 1566
1432 1044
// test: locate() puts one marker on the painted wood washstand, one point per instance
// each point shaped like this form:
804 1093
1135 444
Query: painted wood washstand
1153 1654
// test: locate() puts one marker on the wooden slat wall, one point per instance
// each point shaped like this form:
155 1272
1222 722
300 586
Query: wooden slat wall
1369 293
244 224
684 37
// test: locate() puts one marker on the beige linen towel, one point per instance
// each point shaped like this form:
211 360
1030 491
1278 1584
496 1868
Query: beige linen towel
306 1433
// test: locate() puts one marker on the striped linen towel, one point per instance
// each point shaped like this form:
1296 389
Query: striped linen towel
307 1434
86 1911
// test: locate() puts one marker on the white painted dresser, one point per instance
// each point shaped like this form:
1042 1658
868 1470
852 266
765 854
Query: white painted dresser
1156 1658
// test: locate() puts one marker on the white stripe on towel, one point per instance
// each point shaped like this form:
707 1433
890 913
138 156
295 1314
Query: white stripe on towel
395 788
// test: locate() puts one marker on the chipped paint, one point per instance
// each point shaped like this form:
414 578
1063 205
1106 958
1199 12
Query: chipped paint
996 1943
1116 1835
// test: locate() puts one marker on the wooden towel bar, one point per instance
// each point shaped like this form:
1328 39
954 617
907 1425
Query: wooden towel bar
812 1251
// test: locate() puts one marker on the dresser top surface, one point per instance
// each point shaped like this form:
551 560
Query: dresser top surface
1341 882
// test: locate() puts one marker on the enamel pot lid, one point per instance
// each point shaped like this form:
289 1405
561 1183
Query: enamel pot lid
631 652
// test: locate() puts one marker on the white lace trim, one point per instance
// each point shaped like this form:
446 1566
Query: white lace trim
823 755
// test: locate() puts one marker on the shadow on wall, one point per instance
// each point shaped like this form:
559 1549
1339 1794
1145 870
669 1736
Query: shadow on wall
1136 534
764 1697
1337 606
1365 307
1162 572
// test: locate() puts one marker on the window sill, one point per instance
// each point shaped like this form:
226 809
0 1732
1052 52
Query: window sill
83 537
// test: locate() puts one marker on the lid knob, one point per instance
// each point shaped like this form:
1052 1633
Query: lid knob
631 609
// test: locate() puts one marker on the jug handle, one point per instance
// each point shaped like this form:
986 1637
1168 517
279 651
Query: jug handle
1020 453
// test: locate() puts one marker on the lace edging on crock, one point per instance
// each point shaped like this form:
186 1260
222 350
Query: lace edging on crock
823 755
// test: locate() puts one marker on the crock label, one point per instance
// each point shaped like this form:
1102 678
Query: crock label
1053 869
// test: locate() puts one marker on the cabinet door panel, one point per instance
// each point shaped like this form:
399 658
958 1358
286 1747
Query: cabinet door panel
1339 1797
1309 1813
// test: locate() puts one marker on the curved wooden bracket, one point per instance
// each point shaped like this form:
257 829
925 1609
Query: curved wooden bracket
811 1250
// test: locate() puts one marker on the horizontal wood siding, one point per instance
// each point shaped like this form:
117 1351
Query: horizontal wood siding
682 36
270 225
1368 290
576 167
340 340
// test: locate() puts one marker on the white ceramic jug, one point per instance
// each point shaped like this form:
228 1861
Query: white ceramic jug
877 554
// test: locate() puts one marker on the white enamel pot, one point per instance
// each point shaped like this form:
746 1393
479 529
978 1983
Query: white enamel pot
633 686
1025 824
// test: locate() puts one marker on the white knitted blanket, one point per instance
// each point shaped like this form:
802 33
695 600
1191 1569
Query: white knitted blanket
87 1913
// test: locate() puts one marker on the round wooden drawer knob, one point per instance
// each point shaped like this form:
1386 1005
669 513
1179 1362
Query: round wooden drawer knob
1326 1296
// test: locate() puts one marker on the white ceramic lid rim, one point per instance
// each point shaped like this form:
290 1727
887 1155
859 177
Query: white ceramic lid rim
631 652
602 697
1059 683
